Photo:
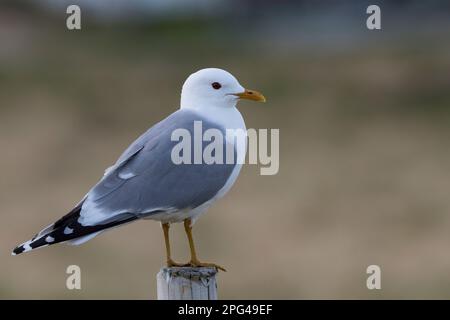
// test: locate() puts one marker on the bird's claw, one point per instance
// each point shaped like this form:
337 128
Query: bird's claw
196 263
171 263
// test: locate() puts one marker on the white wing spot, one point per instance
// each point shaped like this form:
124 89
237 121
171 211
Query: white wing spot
68 230
126 175
49 239
27 247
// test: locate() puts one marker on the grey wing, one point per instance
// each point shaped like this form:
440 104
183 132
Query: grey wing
145 179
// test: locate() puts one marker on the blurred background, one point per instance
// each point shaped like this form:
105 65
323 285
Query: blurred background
364 119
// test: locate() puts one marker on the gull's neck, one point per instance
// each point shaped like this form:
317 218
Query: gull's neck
228 117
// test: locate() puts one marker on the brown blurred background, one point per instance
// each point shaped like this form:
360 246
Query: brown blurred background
364 119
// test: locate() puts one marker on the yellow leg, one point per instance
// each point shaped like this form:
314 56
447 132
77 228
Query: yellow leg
194 260
170 262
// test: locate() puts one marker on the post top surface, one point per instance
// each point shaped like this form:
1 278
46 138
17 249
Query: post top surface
189 272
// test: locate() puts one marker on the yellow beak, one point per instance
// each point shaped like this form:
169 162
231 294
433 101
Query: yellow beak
251 95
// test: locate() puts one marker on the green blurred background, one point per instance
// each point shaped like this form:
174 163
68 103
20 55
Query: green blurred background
364 119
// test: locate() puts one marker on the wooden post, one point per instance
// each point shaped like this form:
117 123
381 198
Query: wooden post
185 283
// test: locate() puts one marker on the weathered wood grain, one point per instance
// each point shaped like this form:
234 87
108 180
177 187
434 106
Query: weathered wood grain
185 283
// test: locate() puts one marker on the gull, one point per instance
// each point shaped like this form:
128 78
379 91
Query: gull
145 183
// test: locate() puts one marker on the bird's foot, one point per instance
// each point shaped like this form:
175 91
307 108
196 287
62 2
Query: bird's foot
171 263
196 263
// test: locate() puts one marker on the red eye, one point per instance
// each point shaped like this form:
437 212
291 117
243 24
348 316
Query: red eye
216 85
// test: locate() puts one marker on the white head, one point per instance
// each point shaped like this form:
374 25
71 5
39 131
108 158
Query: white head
214 88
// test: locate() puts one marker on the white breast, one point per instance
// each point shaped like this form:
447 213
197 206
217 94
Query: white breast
231 118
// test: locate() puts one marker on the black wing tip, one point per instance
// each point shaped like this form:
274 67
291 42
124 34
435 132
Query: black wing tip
18 250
